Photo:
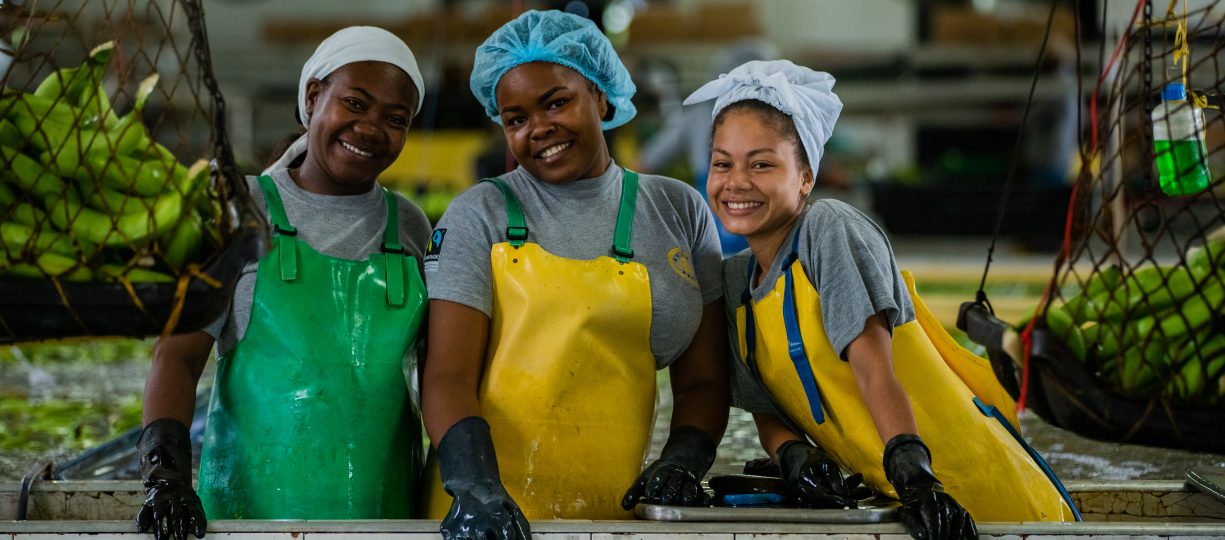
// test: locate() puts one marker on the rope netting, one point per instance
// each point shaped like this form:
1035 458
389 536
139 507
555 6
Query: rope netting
109 116
1138 294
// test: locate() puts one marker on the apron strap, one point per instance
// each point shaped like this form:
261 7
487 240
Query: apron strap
516 228
284 235
625 217
750 324
990 410
795 340
393 263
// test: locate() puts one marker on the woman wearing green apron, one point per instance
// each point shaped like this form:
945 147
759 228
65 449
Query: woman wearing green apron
831 344
311 416
556 292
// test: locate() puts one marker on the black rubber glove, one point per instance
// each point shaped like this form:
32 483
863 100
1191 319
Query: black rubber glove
816 479
172 508
675 479
480 506
927 512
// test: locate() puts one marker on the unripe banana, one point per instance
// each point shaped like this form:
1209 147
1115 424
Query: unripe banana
1206 258
126 229
1102 339
1105 280
135 275
51 264
1205 348
9 136
21 238
114 203
185 243
1135 376
1086 305
1188 384
27 214
7 199
147 178
1196 311
14 105
28 174
1176 284
80 86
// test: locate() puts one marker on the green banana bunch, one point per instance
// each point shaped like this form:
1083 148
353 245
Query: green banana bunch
133 228
1155 331
69 145
82 187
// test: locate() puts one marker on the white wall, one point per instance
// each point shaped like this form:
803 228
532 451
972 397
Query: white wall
865 25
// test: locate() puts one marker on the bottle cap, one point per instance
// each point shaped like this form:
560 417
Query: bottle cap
1174 91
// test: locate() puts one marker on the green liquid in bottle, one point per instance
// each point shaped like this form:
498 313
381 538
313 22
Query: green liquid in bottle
1180 167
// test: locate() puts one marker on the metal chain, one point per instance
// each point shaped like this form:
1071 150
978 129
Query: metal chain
1146 71
230 182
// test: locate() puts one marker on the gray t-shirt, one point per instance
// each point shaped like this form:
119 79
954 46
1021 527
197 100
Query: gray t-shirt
674 237
848 260
345 227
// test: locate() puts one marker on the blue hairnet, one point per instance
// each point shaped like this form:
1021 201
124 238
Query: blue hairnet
560 38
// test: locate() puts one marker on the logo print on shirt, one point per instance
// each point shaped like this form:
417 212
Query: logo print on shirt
433 248
678 259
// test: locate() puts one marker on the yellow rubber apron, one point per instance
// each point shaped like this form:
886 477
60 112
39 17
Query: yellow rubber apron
977 453
569 381
310 416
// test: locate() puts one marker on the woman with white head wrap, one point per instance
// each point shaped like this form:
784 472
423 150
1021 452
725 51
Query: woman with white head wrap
311 417
556 292
819 311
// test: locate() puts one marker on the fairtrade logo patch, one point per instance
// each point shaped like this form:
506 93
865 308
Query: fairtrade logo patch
678 259
433 248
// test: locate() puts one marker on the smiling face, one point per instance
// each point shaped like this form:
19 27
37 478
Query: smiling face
758 177
551 118
359 117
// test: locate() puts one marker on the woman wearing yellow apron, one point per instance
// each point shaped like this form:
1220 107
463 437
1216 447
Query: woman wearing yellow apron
556 292
311 415
828 345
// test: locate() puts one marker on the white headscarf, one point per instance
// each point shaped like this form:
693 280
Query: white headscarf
352 44
805 95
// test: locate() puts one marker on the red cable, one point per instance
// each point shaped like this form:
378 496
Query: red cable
1065 249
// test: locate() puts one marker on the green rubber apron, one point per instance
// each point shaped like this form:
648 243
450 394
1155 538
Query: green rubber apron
310 416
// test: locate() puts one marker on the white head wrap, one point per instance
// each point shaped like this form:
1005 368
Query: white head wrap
352 44
805 95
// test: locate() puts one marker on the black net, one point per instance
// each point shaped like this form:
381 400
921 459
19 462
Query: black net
1131 344
121 209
